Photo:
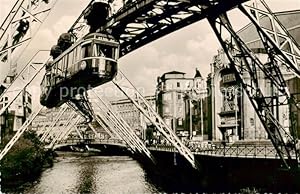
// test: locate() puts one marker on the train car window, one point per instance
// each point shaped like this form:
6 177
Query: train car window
115 54
54 69
74 53
59 73
59 66
87 50
97 51
48 79
104 51
70 58
65 65
108 67
78 55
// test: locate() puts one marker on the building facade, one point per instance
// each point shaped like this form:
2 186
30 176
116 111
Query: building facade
16 114
135 119
180 102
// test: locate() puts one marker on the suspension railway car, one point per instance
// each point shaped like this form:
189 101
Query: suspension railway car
86 64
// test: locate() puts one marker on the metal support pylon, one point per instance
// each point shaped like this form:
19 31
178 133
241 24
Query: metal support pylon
111 132
19 133
106 119
119 123
22 80
102 118
61 126
243 61
20 26
64 132
78 132
54 122
142 105
275 37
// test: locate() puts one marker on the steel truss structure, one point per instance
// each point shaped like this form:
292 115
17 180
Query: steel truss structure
19 133
244 62
20 26
23 79
142 105
120 126
61 128
63 133
143 21
55 121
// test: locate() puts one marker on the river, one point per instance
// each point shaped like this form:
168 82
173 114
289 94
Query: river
92 174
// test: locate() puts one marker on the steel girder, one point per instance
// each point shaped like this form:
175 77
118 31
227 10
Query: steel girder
15 36
244 63
19 133
22 80
55 121
143 21
275 37
65 131
142 105
115 121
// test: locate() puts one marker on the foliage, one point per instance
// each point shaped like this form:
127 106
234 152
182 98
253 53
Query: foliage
25 159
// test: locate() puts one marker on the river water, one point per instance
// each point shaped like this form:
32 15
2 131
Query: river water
93 174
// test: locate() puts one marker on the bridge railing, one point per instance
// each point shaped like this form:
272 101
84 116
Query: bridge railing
93 141
243 150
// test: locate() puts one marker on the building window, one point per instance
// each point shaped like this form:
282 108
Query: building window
180 121
167 110
252 121
179 96
168 122
167 96
179 110
168 86
178 84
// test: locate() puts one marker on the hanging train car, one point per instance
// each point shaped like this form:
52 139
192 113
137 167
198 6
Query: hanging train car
86 64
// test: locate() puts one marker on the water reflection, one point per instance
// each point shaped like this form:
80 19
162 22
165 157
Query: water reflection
96 174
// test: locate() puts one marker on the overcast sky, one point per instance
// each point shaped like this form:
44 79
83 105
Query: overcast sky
183 50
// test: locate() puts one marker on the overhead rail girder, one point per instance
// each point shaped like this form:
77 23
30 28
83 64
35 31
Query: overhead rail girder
143 21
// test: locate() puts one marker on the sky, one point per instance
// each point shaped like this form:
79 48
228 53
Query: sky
184 50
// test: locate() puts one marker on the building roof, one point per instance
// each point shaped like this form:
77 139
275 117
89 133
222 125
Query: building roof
198 74
174 72
126 100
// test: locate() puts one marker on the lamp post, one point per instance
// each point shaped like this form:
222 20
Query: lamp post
191 122
201 106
